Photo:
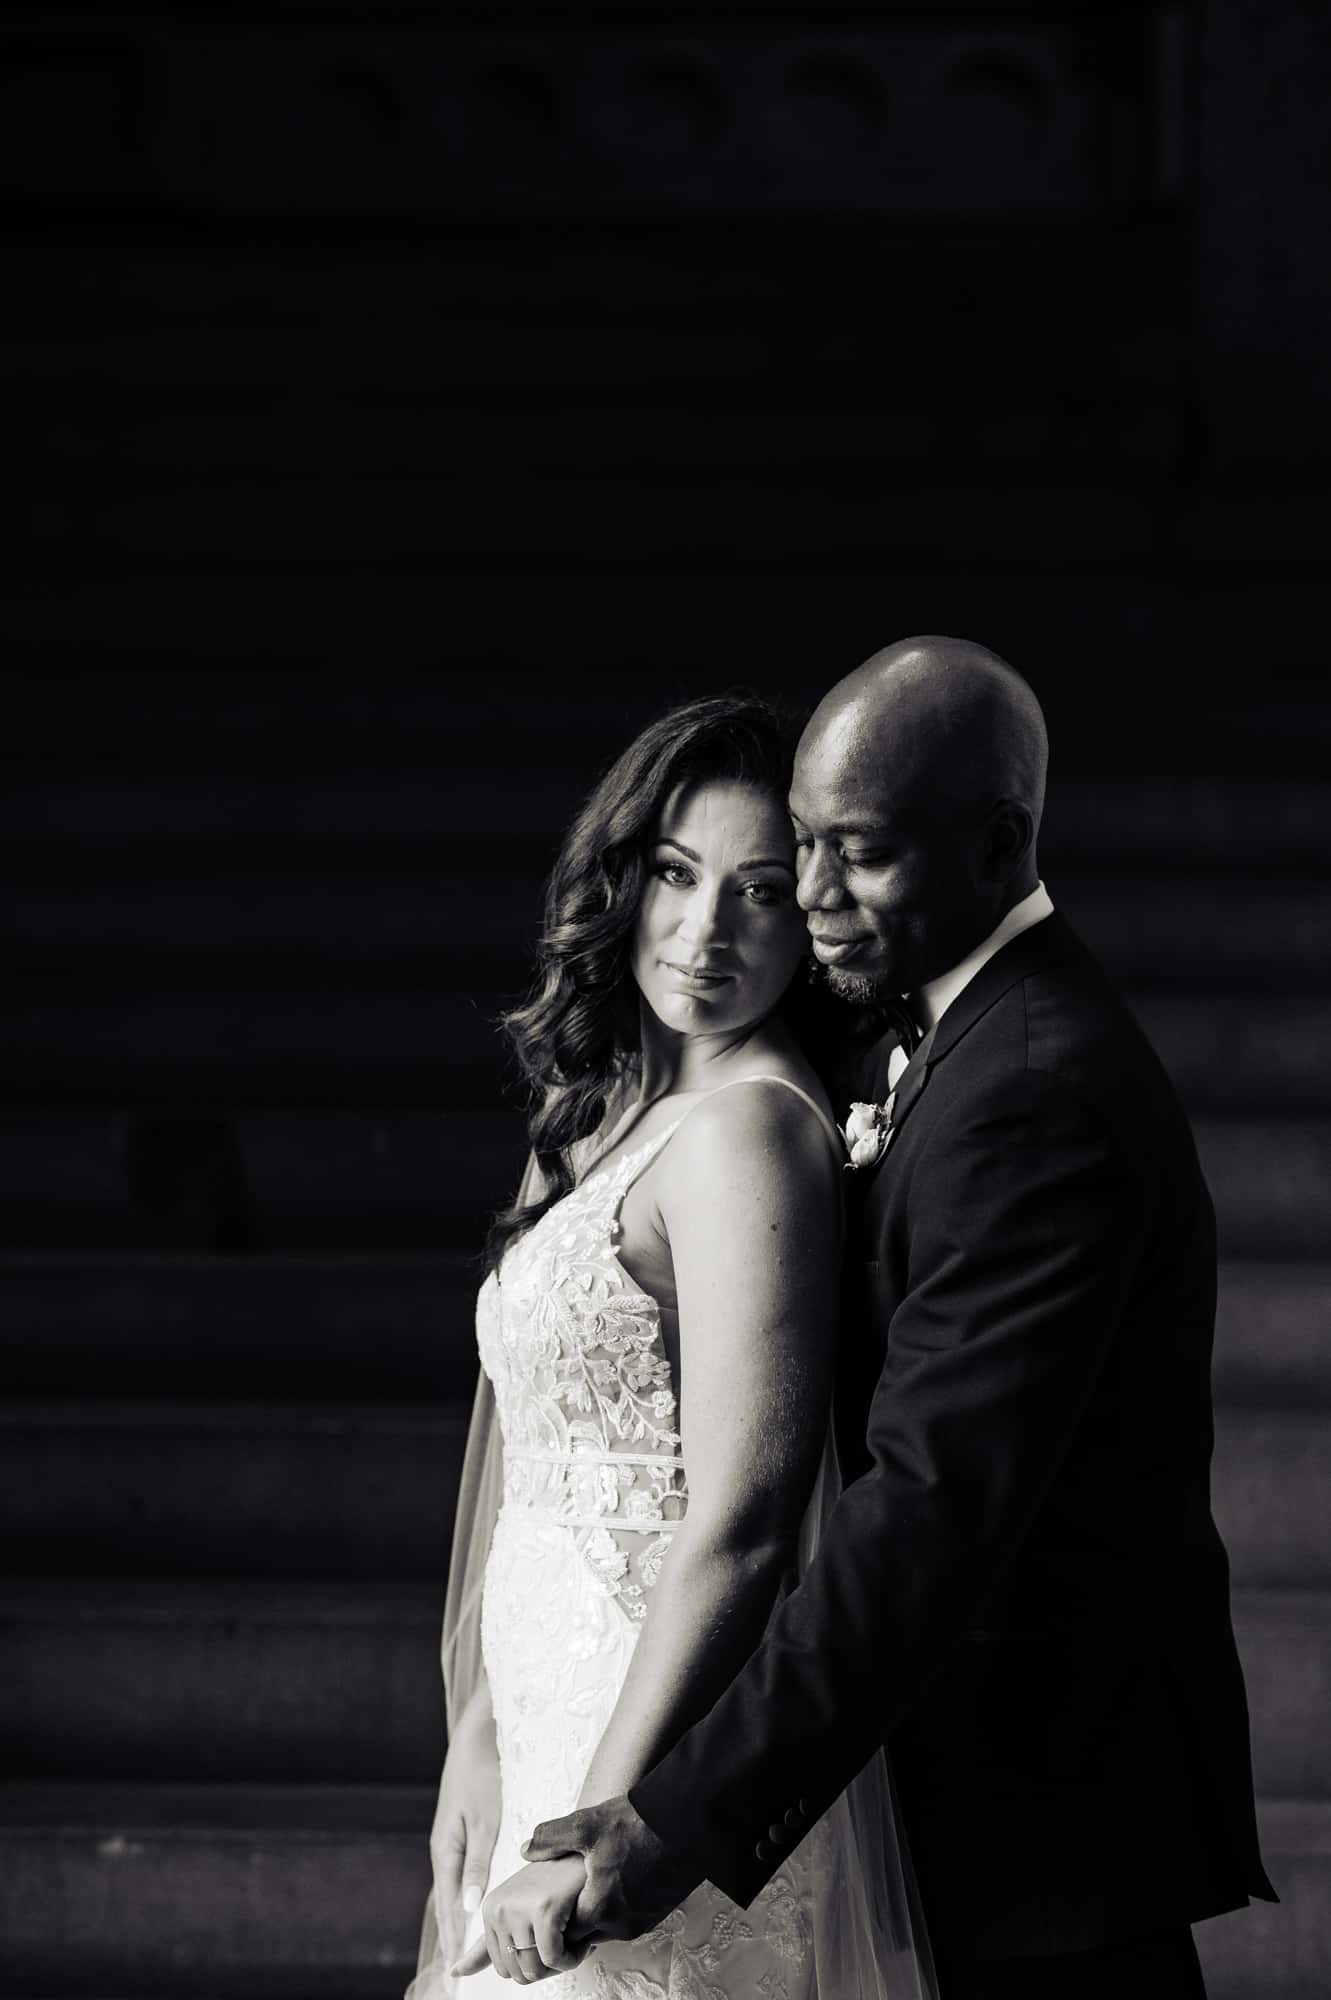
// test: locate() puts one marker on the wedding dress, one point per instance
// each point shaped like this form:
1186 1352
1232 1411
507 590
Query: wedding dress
594 1488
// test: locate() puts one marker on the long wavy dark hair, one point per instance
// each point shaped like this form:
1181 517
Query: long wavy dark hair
577 1034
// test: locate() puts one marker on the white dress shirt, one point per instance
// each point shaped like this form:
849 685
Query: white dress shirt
936 995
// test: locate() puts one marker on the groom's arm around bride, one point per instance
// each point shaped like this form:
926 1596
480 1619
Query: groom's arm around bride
1023 1593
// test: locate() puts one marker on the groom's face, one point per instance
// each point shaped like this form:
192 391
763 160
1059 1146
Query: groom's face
890 873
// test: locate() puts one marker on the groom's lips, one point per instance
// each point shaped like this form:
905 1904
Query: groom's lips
832 951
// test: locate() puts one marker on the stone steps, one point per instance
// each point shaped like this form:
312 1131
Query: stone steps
1284 1641
1201 930
340 809
291 1681
606 416
328 1040
460 696
1279 1951
1194 932
416 1179
255 582
292 515
1254 1052
276 920
1270 1180
215 1489
345 1489
281 1325
344 809
408 1178
283 1891
344 1039
1271 1482
297 330
297 517
613 425
1273 1333
297 1680
245 1593
265 1327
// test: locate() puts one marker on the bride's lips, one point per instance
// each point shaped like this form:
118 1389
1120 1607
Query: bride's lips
832 951
700 976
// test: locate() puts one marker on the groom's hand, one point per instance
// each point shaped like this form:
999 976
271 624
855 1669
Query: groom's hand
632 1878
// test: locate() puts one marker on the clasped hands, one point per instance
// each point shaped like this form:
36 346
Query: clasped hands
596 1874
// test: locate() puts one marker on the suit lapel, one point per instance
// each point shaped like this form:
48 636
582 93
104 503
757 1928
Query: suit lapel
1025 954
913 1079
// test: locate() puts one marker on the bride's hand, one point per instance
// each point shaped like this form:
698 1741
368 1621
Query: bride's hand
525 1921
466 1824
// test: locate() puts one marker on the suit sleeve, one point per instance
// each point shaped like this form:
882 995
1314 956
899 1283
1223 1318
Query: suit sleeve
1026 1222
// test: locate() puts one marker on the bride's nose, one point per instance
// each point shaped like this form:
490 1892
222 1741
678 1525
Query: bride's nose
702 922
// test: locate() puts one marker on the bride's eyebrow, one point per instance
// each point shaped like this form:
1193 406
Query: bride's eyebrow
666 841
773 863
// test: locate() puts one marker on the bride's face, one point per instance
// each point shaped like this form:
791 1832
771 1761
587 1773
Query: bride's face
719 933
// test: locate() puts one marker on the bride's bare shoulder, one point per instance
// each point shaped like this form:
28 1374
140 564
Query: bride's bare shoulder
775 1121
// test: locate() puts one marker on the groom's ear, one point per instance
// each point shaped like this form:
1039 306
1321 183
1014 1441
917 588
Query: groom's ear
1009 838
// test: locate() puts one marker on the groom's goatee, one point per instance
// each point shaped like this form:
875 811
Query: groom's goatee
856 987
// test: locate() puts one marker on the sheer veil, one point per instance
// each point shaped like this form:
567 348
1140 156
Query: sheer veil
480 1491
479 1494
868 1931
870 1941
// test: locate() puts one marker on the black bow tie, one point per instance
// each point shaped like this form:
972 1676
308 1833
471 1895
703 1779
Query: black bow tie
899 1018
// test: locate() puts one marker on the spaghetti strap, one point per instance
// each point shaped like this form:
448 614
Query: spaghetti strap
771 1076
638 1159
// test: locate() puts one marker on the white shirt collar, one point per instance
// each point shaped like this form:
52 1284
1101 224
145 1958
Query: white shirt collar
936 995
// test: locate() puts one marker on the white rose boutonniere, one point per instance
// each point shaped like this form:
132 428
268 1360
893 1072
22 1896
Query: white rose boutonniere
867 1131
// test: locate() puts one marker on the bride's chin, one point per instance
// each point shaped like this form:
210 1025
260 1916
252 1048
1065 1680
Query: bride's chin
694 1009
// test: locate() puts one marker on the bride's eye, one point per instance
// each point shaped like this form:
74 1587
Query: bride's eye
767 894
673 872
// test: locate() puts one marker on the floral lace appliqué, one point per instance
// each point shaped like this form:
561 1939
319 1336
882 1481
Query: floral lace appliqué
583 1387
594 1492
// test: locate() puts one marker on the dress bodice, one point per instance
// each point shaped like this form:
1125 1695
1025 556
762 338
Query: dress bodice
586 1404
594 1491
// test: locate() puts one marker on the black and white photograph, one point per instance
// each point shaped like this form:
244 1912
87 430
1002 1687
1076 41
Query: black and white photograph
665 1165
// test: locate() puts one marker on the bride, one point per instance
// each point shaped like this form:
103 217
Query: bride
650 1457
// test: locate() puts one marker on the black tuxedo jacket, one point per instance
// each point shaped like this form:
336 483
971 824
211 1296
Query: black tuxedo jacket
1021 1591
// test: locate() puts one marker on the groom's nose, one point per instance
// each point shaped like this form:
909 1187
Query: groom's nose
818 885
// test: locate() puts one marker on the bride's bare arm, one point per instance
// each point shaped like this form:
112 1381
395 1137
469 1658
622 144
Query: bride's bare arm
466 1821
750 1199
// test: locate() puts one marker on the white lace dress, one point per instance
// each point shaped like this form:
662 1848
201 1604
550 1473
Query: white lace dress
594 1491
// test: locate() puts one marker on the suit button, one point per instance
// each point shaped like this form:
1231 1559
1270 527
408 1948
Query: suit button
794 1819
803 1808
765 1851
776 1833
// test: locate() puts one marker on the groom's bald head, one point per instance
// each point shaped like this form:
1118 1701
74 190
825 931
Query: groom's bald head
920 779
945 714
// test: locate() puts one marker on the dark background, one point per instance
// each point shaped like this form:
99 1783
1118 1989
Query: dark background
402 404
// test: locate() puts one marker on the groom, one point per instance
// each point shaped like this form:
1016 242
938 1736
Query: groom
1022 1591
